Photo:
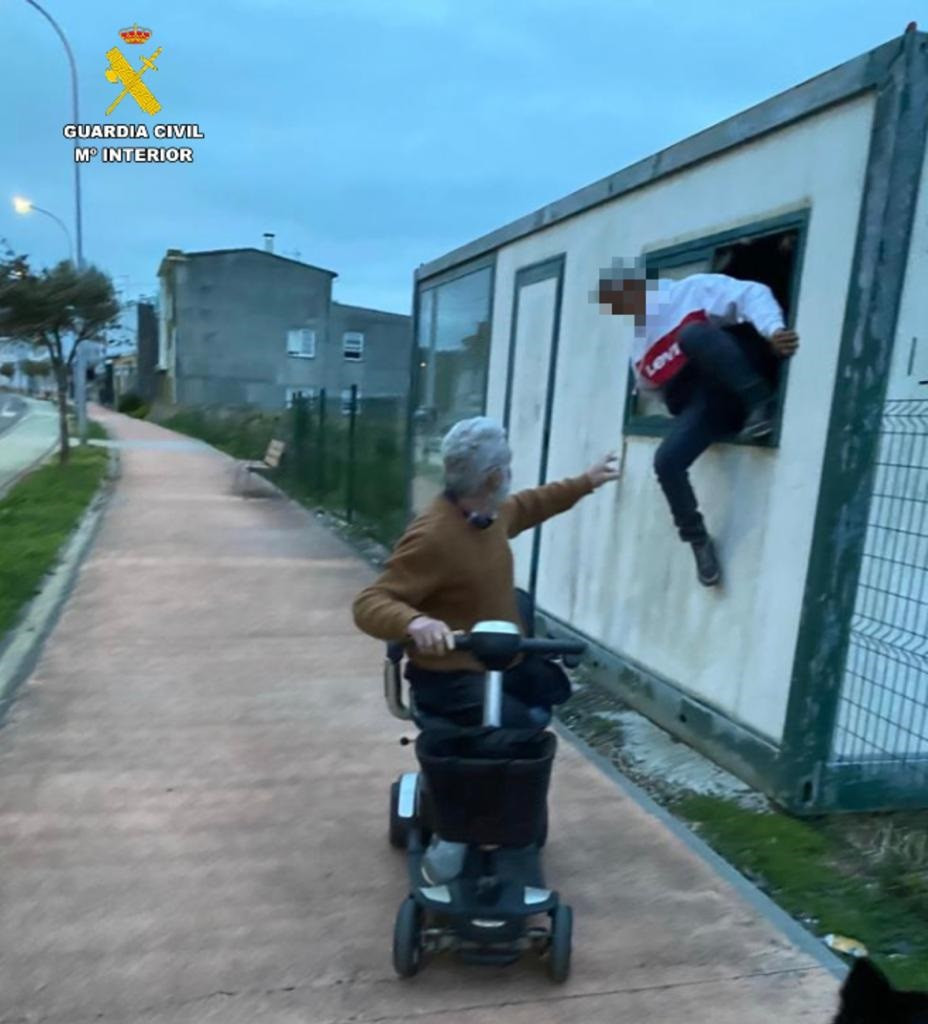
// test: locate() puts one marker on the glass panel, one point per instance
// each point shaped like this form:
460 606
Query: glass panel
453 347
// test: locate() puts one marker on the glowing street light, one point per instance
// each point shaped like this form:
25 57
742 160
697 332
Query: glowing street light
26 206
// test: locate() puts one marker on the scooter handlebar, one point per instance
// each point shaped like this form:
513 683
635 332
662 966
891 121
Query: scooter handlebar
496 650
526 645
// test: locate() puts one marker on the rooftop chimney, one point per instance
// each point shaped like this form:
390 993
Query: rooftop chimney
268 241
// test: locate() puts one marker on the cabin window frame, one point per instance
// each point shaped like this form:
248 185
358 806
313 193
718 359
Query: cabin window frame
705 249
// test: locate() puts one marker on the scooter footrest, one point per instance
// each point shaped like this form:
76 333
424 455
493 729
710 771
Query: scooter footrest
499 957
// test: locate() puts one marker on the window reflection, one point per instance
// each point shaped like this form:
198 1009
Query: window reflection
451 379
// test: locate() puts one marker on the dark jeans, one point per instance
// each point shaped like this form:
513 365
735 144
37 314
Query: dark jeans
529 690
709 400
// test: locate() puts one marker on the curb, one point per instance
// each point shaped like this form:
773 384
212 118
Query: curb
759 901
20 652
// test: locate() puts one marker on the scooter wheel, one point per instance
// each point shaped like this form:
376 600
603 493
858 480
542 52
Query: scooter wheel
399 827
562 926
407 939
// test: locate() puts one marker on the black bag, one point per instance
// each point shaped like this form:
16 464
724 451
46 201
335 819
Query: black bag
487 786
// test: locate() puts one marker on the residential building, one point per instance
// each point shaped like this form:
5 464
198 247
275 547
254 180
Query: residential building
147 351
248 327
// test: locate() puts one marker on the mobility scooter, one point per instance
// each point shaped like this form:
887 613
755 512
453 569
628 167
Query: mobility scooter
485 787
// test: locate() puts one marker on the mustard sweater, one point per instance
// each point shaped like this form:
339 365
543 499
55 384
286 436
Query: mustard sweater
447 569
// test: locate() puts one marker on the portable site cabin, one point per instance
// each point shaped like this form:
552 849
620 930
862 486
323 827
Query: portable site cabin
806 673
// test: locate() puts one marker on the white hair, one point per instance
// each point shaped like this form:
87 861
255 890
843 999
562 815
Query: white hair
472 450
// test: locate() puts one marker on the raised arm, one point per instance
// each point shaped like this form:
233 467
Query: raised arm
528 509
745 300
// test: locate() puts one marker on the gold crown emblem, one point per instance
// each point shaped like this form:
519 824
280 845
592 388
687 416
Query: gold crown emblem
135 34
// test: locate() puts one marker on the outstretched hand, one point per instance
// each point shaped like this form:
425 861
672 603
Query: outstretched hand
605 471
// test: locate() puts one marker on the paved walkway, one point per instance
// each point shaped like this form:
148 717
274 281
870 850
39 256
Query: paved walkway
33 432
193 807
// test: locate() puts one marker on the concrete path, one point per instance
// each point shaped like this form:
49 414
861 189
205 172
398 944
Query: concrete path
28 431
193 807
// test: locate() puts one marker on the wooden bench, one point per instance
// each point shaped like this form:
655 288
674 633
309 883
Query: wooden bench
271 460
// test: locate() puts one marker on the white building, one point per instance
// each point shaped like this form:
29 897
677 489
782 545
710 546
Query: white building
807 672
19 354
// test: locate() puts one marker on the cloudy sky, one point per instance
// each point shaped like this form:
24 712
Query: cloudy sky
373 135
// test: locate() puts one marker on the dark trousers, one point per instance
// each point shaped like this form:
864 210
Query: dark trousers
529 691
709 400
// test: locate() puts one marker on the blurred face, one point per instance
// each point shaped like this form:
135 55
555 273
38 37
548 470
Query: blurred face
497 489
623 298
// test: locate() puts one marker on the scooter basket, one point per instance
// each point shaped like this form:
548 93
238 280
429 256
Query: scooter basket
487 787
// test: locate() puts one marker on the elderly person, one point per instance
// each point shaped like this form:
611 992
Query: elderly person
453 568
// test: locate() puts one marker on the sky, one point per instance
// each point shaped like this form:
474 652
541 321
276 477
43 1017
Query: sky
371 136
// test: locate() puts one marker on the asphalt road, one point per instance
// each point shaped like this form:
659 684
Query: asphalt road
28 432
12 410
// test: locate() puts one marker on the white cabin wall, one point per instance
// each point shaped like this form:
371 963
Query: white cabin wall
614 568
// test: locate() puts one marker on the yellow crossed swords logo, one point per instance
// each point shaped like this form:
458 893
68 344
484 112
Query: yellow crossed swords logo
120 70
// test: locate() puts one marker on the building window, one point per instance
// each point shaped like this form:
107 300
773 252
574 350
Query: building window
346 402
452 350
769 252
301 342
306 395
353 345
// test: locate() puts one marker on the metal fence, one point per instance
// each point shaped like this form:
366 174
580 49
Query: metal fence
346 453
882 723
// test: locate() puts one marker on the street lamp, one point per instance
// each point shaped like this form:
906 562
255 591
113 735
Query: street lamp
26 206
80 380
75 119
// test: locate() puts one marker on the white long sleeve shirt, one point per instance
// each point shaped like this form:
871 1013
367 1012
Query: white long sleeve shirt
673 305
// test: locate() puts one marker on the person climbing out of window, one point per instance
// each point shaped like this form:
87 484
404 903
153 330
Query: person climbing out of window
683 350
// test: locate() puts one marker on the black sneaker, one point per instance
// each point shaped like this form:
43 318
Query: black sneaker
707 563
759 422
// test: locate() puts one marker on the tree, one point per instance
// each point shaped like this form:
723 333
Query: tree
36 367
47 307
7 370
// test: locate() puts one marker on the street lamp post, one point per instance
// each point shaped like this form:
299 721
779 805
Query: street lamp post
25 206
75 119
80 369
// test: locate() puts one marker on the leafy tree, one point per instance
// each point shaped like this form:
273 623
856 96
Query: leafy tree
36 367
45 308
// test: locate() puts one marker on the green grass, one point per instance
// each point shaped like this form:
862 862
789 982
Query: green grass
818 877
243 435
95 430
315 467
36 518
